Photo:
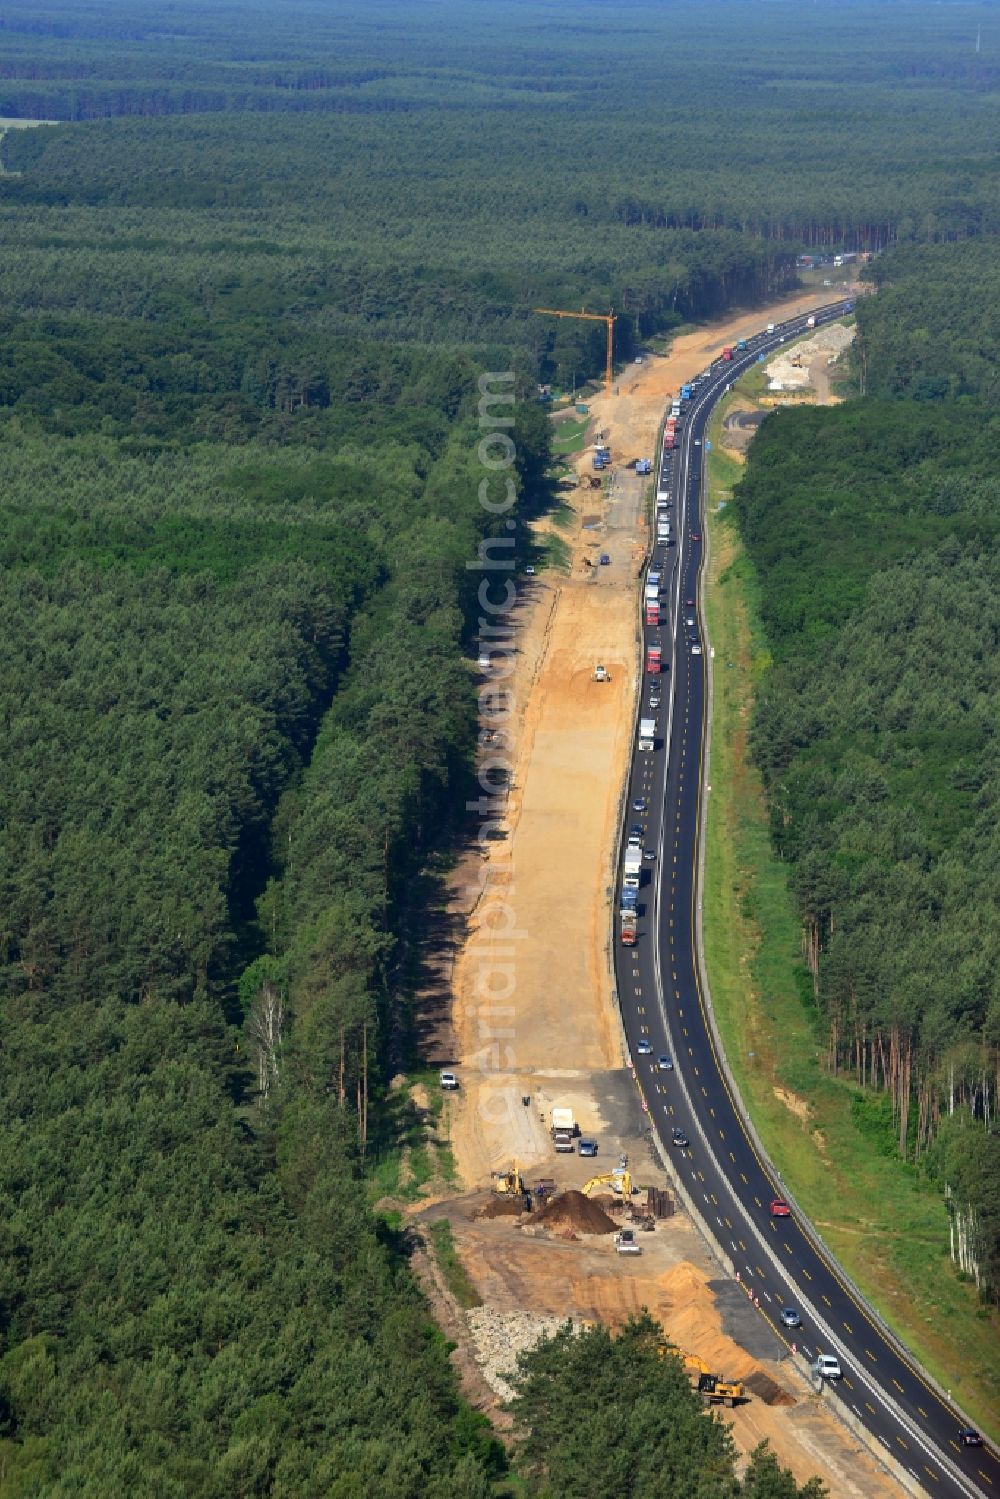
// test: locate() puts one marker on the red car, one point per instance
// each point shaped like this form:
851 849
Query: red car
780 1208
695 535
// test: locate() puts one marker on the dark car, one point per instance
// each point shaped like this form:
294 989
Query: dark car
635 831
639 805
605 559
678 1137
695 535
969 1437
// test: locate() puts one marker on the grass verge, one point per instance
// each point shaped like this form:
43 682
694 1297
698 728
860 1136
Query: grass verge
454 1272
883 1220
568 436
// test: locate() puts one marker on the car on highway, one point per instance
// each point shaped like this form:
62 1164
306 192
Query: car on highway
664 1063
635 831
643 1048
827 1367
696 649
689 603
529 571
678 1137
695 535
790 1317
655 700
689 620
650 854
969 1437
639 805
697 442
780 1208
587 1147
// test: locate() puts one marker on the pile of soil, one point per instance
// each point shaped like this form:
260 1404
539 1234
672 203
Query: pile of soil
502 1207
573 1210
768 1389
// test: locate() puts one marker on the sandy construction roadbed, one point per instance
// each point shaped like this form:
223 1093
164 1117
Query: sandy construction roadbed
534 1020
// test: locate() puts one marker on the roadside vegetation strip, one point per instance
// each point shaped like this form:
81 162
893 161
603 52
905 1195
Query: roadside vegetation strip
451 1267
832 1143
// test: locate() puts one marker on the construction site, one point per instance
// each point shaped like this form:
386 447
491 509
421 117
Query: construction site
564 1208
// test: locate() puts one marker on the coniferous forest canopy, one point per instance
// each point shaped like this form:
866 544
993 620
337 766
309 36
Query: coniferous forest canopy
247 291
875 530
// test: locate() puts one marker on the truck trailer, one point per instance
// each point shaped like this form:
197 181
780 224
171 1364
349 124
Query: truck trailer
654 659
632 868
647 733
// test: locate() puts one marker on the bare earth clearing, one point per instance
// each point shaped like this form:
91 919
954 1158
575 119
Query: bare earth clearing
533 1019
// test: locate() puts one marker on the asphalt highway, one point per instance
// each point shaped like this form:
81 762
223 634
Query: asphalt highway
779 1260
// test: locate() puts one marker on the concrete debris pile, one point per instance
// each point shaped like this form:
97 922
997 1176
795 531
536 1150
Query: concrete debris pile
789 370
574 1211
500 1336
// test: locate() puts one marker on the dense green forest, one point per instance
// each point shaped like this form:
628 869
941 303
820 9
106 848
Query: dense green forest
875 529
604 1414
248 291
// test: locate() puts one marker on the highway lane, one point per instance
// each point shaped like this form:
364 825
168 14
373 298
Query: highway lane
662 1004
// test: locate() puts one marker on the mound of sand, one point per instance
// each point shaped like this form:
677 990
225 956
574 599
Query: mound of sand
574 1211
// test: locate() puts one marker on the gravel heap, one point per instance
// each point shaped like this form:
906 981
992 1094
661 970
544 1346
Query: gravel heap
500 1336
573 1210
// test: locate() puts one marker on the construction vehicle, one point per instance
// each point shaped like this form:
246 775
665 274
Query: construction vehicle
509 1183
714 1391
619 1181
626 1242
601 674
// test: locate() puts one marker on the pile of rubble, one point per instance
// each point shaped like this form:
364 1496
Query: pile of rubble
500 1336
790 370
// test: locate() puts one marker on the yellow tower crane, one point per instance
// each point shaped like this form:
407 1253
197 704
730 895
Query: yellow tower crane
608 318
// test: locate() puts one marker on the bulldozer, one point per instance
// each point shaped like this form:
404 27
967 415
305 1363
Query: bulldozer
509 1183
715 1391
619 1181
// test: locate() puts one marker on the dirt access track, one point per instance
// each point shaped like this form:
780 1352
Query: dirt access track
534 1019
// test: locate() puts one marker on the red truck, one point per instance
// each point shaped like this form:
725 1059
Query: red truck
727 352
652 614
654 657
629 925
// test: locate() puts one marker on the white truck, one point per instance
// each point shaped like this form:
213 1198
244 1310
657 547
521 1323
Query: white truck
647 733
632 868
562 1119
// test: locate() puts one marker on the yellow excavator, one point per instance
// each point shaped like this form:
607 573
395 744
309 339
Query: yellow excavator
619 1182
716 1391
509 1183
